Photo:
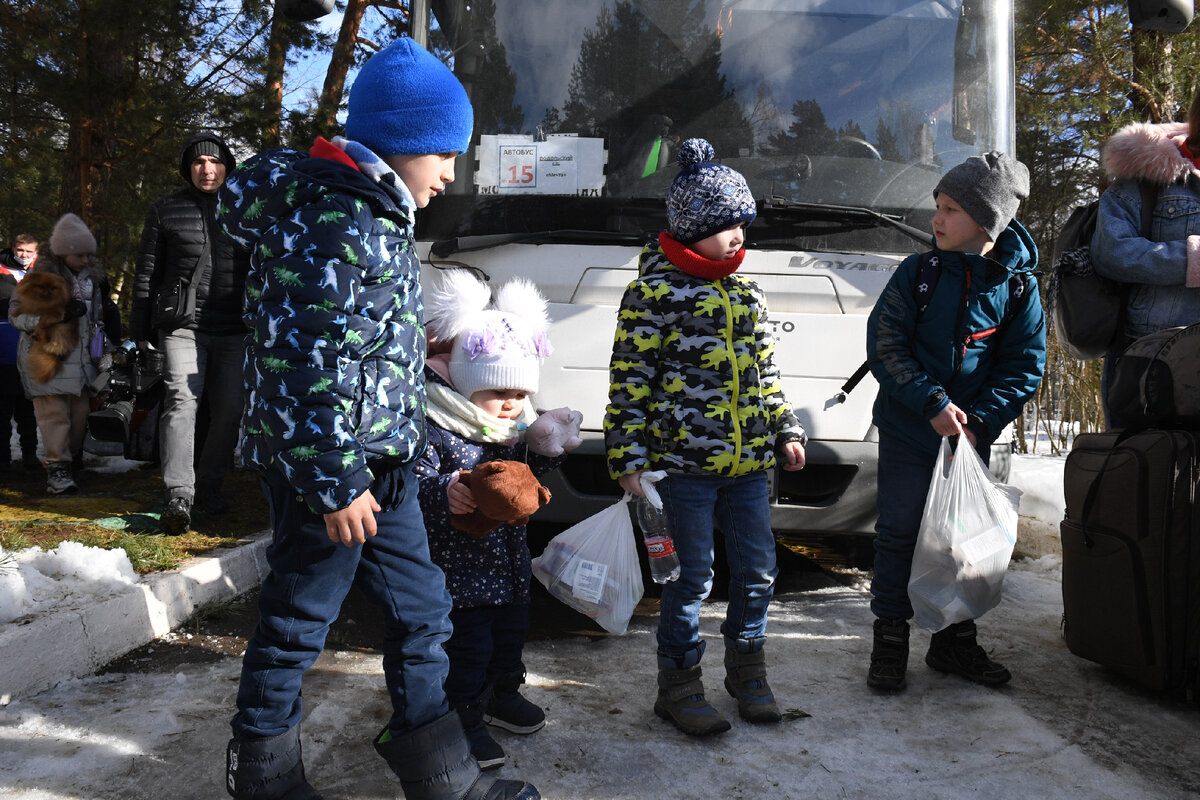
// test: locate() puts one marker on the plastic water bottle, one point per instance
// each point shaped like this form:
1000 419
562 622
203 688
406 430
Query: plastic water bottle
660 547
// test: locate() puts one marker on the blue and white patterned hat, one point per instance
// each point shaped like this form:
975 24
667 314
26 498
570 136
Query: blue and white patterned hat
706 197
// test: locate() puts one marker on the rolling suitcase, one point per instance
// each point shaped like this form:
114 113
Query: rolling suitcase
1131 554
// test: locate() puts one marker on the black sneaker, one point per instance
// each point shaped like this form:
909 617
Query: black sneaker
176 517
513 713
487 751
956 650
889 656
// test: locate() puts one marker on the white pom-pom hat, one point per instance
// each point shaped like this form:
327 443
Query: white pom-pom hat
496 345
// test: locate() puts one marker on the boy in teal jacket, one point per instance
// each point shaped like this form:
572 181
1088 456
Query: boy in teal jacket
963 365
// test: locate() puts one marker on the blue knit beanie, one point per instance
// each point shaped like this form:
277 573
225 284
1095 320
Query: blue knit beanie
407 102
706 197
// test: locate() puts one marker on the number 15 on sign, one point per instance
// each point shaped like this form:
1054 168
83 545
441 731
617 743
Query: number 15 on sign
518 166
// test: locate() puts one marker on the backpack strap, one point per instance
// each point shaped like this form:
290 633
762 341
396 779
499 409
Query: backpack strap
1149 201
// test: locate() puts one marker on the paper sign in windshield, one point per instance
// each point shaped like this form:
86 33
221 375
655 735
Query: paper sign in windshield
515 164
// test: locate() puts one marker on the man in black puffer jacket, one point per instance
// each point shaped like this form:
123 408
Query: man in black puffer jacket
182 242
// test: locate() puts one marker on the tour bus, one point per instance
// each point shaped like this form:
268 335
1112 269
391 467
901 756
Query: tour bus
841 114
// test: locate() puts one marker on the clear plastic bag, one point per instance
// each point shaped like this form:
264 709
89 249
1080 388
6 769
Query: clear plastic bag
966 539
593 567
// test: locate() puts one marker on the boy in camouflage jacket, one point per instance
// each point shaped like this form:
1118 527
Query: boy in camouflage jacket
695 391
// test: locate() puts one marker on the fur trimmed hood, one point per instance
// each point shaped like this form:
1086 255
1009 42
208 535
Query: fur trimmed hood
1145 151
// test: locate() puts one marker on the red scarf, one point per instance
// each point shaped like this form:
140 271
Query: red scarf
693 263
1187 153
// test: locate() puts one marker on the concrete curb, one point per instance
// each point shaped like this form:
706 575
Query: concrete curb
73 643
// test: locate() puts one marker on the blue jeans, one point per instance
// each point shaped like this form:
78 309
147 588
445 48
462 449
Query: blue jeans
487 644
200 364
903 484
302 595
742 507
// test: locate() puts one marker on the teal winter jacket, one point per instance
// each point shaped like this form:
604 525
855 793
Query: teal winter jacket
974 345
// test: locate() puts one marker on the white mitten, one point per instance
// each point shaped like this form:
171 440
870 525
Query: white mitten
555 432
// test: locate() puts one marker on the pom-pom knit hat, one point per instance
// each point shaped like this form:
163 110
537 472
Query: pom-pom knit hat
407 102
706 197
496 345
71 236
989 188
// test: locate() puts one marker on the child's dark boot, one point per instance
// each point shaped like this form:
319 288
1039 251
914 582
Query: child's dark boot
681 696
889 656
509 710
487 751
746 681
956 650
267 769
434 762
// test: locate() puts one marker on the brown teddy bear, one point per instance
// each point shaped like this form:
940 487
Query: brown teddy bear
47 294
506 493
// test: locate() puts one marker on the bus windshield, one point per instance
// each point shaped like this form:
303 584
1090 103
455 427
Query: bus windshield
828 107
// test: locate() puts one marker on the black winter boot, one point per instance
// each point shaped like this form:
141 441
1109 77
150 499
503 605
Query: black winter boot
956 650
509 710
746 680
486 750
681 701
889 656
267 769
434 762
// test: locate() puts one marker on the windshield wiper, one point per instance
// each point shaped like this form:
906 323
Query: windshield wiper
465 244
852 214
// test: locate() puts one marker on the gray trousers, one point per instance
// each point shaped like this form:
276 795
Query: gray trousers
200 365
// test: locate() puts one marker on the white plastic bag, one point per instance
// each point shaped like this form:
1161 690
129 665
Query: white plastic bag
593 567
966 539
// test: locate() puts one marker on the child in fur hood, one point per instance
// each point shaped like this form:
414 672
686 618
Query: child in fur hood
1163 273
484 368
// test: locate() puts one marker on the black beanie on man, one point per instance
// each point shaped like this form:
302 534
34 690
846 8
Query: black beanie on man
989 188
205 144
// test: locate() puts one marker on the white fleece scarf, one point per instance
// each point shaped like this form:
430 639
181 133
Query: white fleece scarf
448 409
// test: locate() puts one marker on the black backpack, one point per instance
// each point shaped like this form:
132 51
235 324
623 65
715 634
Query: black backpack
1087 309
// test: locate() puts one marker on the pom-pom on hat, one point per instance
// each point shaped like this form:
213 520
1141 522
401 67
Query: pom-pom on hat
496 345
989 187
71 236
407 102
706 197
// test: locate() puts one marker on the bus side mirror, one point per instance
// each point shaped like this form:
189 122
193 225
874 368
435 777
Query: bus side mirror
1169 16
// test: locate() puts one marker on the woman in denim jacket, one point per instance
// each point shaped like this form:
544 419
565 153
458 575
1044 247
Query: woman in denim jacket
1164 271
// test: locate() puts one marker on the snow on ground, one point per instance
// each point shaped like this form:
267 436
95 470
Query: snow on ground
1064 728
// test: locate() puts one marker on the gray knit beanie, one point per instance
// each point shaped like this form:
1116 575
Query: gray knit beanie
989 188
71 236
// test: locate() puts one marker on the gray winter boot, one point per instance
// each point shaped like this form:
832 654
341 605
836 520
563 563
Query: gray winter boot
746 680
434 762
889 657
58 478
267 769
681 697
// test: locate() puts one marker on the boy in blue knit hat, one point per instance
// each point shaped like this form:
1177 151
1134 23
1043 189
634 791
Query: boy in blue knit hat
335 422
695 391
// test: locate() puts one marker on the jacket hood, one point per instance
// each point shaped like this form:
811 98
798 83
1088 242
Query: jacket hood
1014 251
1144 151
185 164
274 184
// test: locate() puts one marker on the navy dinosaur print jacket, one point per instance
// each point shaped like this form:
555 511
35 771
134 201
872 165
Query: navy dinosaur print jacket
333 303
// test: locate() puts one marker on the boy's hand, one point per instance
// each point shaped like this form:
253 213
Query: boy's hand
632 483
459 496
949 421
354 523
796 458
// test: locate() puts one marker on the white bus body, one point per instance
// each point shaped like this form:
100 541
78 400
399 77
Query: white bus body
842 115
